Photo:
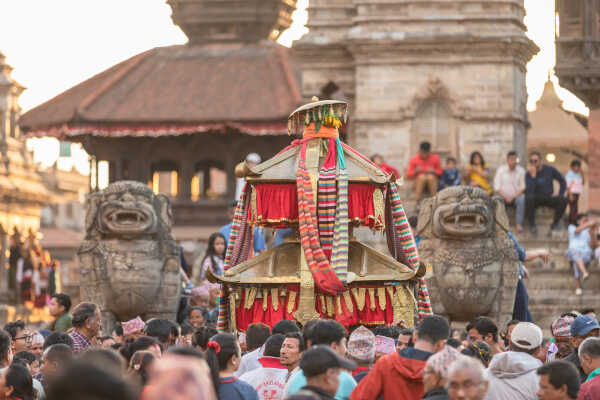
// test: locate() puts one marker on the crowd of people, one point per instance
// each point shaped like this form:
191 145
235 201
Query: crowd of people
31 271
163 359
523 190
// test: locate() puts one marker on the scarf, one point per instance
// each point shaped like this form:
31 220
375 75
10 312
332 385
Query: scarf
405 248
323 274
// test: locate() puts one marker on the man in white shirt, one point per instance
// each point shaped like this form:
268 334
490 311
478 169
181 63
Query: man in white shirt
509 183
269 379
256 336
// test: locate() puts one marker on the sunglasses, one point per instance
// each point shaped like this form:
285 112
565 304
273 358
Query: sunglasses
533 160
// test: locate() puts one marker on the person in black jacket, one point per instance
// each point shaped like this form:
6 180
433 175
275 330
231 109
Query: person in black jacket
539 190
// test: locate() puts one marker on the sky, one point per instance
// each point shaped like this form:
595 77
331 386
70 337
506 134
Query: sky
53 45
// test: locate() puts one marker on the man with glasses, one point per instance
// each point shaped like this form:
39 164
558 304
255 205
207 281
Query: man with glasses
467 380
21 337
539 191
582 328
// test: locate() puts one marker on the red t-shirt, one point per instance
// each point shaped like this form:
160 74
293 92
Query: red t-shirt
423 165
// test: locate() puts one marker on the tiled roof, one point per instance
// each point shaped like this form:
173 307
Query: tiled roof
175 86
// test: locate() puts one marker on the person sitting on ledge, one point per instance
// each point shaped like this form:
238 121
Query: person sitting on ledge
539 191
425 168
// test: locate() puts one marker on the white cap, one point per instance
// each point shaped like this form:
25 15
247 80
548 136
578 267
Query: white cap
253 158
527 336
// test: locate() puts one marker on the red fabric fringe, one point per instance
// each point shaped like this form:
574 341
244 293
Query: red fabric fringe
366 316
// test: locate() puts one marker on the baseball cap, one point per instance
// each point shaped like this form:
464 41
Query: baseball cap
583 325
361 344
320 358
562 326
527 336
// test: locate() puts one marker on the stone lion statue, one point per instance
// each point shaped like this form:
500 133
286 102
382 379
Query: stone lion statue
474 262
129 261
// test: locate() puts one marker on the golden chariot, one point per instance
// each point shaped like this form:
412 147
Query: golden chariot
320 190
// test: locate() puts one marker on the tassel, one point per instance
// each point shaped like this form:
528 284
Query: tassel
348 301
250 297
291 302
372 298
359 297
395 304
330 310
265 293
338 305
232 320
323 305
275 298
379 207
382 299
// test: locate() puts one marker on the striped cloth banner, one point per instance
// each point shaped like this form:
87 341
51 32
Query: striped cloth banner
409 248
326 208
339 259
238 250
324 276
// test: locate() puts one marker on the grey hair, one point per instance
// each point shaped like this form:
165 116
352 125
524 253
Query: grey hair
591 347
469 363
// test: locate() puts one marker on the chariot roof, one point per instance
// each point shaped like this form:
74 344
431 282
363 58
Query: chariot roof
283 166
279 265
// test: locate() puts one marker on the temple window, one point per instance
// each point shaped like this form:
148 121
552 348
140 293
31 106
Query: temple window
571 21
432 124
165 176
209 181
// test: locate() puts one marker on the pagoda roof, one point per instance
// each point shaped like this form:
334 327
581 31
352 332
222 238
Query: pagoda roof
184 89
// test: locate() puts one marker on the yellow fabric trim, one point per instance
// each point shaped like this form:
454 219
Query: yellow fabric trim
359 297
275 298
381 296
372 298
348 301
379 207
232 319
265 294
330 310
395 304
291 302
323 305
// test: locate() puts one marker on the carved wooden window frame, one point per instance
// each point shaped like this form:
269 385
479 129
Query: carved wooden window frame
571 25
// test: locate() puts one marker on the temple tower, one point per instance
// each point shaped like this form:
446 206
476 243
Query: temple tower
578 70
452 73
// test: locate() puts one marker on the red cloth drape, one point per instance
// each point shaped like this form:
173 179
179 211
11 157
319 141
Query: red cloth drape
256 313
277 205
366 316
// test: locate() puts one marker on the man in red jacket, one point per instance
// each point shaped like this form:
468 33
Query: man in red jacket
402 371
425 168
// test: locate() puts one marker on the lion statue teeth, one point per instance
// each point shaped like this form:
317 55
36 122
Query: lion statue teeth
129 261
474 262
